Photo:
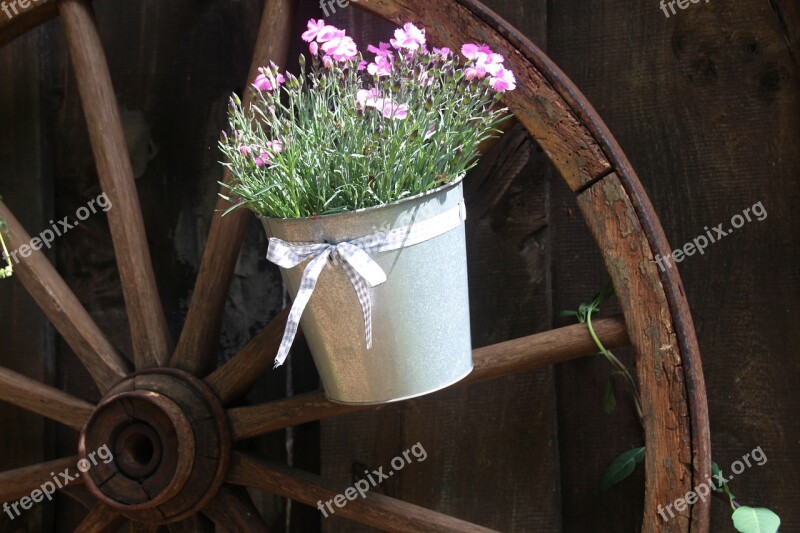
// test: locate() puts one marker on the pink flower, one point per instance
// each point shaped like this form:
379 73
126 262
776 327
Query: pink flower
329 33
474 51
262 159
341 48
327 62
313 47
395 110
383 50
444 53
409 37
492 68
392 109
362 65
493 63
503 80
244 149
276 146
425 79
493 58
381 67
472 73
314 29
267 81
367 98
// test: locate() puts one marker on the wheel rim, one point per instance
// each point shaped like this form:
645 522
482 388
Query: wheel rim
577 142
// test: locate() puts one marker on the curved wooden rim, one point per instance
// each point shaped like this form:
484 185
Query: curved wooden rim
673 286
609 193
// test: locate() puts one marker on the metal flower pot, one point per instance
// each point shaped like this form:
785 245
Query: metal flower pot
420 316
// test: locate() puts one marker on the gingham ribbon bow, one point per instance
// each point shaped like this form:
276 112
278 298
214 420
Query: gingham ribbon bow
363 271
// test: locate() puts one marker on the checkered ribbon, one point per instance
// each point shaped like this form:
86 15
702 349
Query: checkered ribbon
363 271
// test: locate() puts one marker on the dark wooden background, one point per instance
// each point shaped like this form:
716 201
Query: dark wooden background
705 103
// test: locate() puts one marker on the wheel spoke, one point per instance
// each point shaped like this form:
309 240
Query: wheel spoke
39 13
232 509
497 360
101 518
149 333
197 345
377 510
81 495
62 307
14 484
235 378
33 396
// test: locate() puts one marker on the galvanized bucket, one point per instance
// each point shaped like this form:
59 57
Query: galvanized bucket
420 315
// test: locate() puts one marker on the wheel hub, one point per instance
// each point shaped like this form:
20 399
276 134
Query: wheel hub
170 443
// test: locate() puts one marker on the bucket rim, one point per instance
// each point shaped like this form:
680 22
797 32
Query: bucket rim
367 210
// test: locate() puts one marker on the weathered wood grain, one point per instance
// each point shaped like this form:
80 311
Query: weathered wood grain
44 400
233 510
491 362
237 376
63 309
101 519
375 510
14 484
626 252
196 347
149 332
25 19
707 106
582 422
25 335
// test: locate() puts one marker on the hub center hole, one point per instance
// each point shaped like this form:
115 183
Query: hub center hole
138 450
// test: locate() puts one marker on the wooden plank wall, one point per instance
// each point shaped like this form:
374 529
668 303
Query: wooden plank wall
26 338
706 103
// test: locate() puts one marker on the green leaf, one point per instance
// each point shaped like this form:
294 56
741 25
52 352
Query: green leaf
610 397
621 467
716 477
567 313
603 295
755 520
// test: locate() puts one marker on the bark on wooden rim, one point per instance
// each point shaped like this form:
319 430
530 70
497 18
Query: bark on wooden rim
557 116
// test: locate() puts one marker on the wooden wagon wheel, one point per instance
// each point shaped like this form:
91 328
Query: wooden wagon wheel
166 419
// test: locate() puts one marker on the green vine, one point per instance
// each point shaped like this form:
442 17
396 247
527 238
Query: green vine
745 519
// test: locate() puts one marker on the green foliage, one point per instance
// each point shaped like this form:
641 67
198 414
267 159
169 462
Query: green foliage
621 467
720 483
339 156
745 519
755 520
584 315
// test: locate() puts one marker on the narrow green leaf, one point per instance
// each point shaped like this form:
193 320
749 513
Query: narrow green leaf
621 467
716 478
610 397
567 313
755 520
606 293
